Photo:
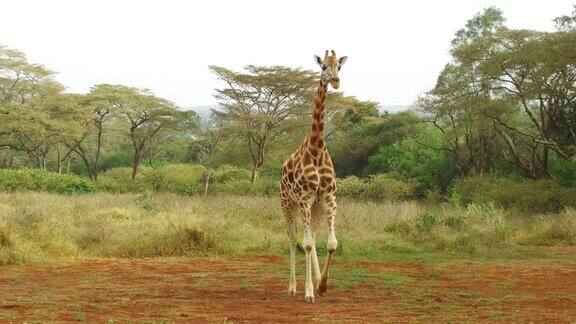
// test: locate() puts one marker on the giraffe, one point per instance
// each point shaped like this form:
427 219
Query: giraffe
308 185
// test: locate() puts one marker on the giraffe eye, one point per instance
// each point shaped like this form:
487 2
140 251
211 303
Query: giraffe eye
324 67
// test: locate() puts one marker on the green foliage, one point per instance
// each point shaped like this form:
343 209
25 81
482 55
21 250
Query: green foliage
377 188
536 196
39 180
227 173
231 180
177 178
410 159
426 221
354 143
120 158
118 180
564 170
262 187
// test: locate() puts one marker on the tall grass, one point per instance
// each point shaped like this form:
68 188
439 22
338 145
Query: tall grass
40 227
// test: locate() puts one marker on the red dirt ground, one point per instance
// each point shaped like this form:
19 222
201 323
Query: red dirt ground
253 289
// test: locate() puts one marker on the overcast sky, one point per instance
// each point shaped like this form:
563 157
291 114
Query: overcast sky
396 48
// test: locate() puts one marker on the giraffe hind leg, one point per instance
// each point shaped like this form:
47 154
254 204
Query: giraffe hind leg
332 244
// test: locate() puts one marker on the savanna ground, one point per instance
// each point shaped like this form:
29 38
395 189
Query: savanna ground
149 257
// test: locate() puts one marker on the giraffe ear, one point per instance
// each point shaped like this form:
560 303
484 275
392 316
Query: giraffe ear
318 60
342 60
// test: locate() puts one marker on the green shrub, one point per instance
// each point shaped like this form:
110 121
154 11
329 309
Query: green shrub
117 159
40 180
382 187
176 178
119 180
536 196
228 173
426 221
377 188
564 170
352 188
262 187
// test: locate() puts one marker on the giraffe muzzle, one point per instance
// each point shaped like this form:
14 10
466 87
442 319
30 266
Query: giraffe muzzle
335 84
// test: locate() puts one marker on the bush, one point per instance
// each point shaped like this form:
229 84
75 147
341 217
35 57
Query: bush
176 178
352 188
408 159
118 159
119 180
564 170
262 187
40 180
377 188
535 196
228 173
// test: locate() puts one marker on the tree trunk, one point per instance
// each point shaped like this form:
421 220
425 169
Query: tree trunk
136 162
43 161
207 181
84 158
59 158
255 169
545 151
98 147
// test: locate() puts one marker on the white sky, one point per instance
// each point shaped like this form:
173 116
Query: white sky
396 48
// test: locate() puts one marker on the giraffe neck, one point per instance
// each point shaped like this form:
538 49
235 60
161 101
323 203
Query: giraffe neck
317 132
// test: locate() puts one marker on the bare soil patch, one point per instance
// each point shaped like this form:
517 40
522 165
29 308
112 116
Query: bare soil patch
253 289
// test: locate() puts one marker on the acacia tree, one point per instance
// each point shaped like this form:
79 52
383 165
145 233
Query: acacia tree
146 115
67 115
456 108
263 103
210 135
537 72
566 23
24 123
21 81
517 85
87 141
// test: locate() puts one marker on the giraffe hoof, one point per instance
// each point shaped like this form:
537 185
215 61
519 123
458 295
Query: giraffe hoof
309 299
322 288
292 292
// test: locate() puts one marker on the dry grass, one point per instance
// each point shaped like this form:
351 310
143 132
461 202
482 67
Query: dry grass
39 227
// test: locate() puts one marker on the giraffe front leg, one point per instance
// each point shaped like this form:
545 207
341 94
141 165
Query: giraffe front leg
308 243
332 244
309 294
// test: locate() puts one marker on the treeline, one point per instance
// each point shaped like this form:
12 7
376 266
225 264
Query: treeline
503 106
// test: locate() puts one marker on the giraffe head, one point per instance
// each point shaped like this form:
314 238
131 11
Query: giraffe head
330 66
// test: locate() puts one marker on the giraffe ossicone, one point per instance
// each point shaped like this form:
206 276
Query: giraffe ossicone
308 187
